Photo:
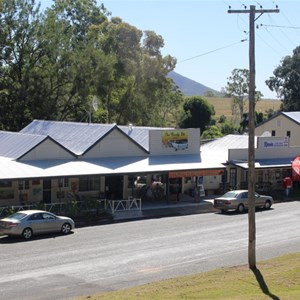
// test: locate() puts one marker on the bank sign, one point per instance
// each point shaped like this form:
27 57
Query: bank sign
278 143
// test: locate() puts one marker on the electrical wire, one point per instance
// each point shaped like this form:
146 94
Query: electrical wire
280 26
215 50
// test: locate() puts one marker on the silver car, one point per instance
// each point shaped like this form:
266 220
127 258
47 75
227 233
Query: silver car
26 223
238 200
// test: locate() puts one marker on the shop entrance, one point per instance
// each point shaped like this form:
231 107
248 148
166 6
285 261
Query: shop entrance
114 187
47 191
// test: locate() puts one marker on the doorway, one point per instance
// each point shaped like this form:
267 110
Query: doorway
47 190
114 187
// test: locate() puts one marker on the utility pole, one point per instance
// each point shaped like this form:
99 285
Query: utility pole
251 127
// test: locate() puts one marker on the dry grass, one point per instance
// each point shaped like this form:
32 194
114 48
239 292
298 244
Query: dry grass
223 106
277 278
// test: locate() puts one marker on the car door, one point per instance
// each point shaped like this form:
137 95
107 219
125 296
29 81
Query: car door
50 222
36 223
244 199
259 201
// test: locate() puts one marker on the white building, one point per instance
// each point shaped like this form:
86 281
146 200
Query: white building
51 161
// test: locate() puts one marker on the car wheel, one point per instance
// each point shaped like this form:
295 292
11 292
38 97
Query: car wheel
223 211
240 208
66 228
268 204
27 233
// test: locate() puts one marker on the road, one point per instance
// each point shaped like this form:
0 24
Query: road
115 256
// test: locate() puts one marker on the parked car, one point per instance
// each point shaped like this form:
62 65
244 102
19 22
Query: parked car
27 223
238 200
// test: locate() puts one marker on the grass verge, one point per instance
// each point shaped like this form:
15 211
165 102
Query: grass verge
278 278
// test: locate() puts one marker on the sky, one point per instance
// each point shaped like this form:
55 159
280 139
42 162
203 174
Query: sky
207 41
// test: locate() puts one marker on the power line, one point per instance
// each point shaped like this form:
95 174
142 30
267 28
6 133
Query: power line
280 26
218 49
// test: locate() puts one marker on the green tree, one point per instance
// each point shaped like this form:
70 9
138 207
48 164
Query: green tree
286 81
52 65
197 113
238 88
20 55
212 132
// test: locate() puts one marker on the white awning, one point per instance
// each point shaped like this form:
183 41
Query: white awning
10 169
266 163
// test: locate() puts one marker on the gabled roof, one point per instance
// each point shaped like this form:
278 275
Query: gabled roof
294 116
76 137
15 145
80 137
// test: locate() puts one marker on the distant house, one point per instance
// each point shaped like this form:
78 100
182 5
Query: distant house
283 124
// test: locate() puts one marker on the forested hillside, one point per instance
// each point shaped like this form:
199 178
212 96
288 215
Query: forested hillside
54 62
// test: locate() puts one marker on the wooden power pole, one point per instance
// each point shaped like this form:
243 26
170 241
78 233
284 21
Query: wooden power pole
251 127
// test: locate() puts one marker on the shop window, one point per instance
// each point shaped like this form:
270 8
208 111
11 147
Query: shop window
5 183
90 183
63 182
131 181
190 179
23 185
260 176
232 178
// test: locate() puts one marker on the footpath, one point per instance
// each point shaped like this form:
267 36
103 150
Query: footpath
174 208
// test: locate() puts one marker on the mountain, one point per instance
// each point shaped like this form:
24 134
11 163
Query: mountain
189 87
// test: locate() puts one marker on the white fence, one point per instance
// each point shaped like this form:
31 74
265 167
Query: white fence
131 204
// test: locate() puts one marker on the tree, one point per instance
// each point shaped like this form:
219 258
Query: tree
238 88
197 113
20 53
52 64
286 81
212 132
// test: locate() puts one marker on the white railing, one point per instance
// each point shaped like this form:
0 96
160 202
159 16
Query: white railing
130 204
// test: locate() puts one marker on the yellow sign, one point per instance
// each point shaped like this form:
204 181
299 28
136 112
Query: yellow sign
173 136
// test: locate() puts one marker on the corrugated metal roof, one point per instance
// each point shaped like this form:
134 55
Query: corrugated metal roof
266 163
140 134
217 150
120 165
79 137
14 145
76 137
294 115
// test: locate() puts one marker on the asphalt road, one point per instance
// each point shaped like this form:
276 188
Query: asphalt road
115 256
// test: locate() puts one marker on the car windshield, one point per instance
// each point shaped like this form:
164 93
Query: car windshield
17 216
231 194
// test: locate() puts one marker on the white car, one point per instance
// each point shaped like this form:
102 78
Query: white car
238 200
27 223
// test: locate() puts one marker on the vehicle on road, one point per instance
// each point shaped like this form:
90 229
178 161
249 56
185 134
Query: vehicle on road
238 200
27 223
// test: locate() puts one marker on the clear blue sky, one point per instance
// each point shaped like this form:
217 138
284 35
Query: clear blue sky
206 39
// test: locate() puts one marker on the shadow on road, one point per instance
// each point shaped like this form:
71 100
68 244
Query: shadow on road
263 286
